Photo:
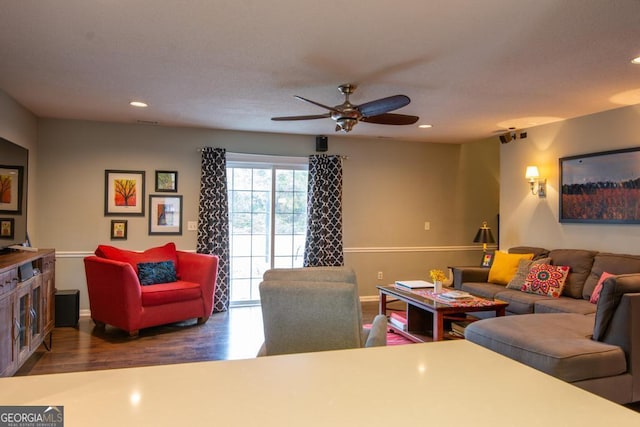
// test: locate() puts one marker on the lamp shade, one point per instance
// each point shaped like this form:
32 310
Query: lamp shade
532 173
484 235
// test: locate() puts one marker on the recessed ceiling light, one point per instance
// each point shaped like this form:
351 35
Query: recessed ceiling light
636 60
425 126
138 104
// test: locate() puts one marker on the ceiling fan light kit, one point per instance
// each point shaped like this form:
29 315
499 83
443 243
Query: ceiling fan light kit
347 115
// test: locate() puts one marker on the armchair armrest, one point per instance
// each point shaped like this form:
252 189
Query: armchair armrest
377 336
469 274
201 269
114 292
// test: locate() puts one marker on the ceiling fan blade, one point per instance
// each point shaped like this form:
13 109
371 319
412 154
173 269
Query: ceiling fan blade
391 119
383 105
311 117
326 107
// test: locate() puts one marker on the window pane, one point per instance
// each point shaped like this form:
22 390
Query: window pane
240 245
260 202
300 201
240 223
241 267
300 179
300 223
284 180
241 179
282 262
284 224
241 201
283 245
260 245
284 201
262 179
240 290
260 224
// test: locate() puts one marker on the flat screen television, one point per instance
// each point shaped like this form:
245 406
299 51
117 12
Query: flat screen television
13 194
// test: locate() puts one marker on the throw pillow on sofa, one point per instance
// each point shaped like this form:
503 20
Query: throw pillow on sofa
545 279
505 266
523 269
595 296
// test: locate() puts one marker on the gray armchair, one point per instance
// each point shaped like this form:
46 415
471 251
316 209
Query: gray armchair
315 309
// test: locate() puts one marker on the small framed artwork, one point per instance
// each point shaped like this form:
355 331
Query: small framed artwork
7 228
165 215
487 259
11 189
118 229
124 192
167 181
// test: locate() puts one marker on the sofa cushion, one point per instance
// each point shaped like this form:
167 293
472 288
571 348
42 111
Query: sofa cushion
612 290
168 293
482 289
595 295
580 262
564 305
611 263
559 344
536 251
523 269
504 267
545 279
160 253
519 302
152 273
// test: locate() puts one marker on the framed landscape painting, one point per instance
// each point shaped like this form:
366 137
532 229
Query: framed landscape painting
124 192
601 187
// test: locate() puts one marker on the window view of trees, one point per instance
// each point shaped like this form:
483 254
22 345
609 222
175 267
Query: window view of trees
267 223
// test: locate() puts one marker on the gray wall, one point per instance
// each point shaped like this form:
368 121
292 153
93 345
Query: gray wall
527 220
391 188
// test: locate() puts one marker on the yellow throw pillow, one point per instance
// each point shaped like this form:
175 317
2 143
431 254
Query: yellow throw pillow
505 266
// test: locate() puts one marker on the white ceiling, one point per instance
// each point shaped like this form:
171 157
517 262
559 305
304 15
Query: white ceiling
470 67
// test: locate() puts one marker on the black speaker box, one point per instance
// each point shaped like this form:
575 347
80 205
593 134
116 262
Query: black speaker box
67 307
322 143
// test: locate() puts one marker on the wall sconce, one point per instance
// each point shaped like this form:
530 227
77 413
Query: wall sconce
533 177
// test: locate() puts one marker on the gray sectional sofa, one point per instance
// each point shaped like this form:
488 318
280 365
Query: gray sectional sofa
593 346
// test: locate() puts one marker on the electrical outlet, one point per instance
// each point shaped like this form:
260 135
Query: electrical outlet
379 275
427 225
192 225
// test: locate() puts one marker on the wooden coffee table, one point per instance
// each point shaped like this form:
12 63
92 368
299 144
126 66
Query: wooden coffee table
426 313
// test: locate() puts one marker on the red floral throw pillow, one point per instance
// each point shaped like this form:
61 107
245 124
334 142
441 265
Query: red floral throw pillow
545 279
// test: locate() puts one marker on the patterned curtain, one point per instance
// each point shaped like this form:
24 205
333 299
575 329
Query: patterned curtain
213 219
324 221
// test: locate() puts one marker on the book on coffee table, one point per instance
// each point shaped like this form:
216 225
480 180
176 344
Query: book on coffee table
413 284
456 295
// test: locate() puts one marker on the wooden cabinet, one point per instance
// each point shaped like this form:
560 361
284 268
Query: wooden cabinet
26 306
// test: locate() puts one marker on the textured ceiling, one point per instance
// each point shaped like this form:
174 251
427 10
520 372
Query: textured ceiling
469 67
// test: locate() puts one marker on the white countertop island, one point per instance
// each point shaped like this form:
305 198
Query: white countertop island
439 384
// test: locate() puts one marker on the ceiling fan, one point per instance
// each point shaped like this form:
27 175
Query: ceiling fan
347 115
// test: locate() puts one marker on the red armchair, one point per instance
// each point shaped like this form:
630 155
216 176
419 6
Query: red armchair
117 298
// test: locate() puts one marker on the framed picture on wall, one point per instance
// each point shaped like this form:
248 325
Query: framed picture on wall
118 229
601 187
124 192
165 214
167 181
7 228
487 259
11 189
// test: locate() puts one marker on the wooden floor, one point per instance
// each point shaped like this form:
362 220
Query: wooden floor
236 334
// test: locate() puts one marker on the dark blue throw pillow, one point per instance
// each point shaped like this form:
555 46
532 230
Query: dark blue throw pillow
152 273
